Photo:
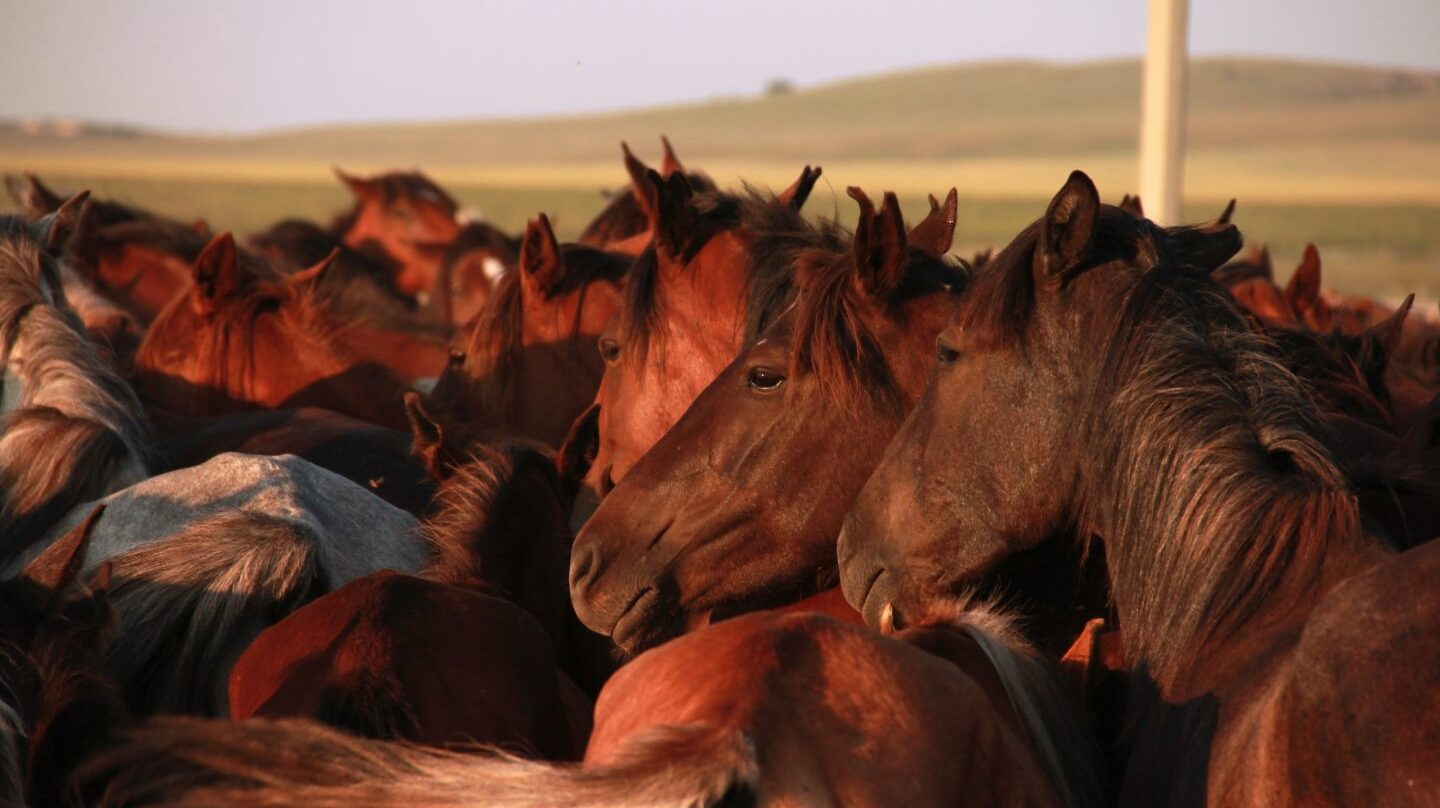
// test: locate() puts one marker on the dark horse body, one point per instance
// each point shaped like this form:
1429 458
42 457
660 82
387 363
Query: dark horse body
1097 379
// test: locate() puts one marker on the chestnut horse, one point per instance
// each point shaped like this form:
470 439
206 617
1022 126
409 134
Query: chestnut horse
239 341
1096 377
797 710
729 511
716 273
529 366
71 430
399 216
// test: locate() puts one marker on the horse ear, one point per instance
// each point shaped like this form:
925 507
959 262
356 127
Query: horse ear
541 267
217 270
35 196
59 565
1303 290
1131 205
674 215
577 454
1206 247
1225 215
640 185
936 232
200 227
1069 224
312 276
671 164
55 229
1387 332
879 244
427 435
359 186
800 189
1261 258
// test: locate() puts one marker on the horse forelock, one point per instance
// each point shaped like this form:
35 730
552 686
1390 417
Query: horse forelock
1209 483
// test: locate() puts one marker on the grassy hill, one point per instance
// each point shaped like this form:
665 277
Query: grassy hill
1347 156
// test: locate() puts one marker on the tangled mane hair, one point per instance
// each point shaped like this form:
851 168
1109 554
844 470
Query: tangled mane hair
1209 481
496 342
473 508
779 235
833 339
78 432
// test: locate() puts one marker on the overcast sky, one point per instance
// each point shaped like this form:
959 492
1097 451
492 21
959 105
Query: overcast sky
238 65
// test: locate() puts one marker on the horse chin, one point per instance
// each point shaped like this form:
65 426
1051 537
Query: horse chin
646 623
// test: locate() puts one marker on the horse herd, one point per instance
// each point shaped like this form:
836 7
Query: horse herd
360 515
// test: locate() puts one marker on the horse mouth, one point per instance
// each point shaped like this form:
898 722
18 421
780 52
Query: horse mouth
872 611
634 629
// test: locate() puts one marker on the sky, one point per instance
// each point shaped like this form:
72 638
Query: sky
248 65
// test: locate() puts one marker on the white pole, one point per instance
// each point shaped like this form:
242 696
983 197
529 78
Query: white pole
1162 111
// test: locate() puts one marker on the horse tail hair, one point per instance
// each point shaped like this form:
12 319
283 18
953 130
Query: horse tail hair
1067 751
189 605
293 762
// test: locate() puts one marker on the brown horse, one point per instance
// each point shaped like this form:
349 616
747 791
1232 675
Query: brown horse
471 267
399 657
729 511
716 274
529 367
797 710
238 340
400 215
1097 378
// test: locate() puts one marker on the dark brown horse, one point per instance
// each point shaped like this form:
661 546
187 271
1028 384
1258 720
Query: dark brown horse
238 340
732 510
529 366
1097 379
793 710
716 274
400 215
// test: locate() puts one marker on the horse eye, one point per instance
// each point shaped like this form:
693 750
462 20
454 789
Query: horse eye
609 350
765 380
945 354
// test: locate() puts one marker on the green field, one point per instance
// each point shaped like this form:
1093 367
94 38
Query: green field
1346 157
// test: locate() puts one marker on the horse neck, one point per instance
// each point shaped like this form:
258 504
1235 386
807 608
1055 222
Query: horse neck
1219 507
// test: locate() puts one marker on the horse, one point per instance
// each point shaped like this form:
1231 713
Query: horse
241 340
400 657
471 267
528 368
728 512
1096 379
204 558
371 456
396 216
801 709
717 272
73 430
624 225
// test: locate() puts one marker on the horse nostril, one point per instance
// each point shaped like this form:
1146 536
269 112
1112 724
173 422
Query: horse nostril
582 566
607 482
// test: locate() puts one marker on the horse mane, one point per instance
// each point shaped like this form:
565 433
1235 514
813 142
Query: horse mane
1329 363
80 432
1064 746
190 603
834 341
472 506
779 234
1208 479
496 342
268 762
